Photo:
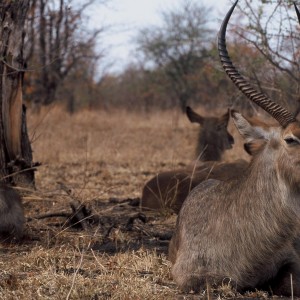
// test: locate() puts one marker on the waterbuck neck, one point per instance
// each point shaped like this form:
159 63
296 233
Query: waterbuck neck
213 141
268 185
208 152
259 204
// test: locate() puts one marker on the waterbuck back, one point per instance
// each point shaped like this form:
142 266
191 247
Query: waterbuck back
168 190
246 229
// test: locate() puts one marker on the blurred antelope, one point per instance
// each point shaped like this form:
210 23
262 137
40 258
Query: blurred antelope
169 189
213 138
245 230
11 213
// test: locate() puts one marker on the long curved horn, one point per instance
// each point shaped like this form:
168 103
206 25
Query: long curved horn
297 11
275 110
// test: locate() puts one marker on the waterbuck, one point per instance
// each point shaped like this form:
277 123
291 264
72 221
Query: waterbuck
168 190
213 138
245 230
11 213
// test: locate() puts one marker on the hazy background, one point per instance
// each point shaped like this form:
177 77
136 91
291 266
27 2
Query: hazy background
157 55
124 18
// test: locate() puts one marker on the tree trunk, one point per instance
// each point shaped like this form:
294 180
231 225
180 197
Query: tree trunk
15 149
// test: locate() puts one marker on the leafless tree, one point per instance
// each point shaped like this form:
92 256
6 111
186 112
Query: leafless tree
57 45
15 150
179 47
271 28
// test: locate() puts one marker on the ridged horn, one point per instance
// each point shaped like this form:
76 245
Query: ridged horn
297 11
279 113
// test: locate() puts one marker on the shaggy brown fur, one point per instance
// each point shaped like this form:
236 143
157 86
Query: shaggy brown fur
214 138
11 212
168 190
245 229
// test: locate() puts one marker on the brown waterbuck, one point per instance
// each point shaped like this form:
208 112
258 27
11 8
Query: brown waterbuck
245 230
11 213
168 190
213 138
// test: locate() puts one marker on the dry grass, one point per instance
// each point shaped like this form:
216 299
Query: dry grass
98 155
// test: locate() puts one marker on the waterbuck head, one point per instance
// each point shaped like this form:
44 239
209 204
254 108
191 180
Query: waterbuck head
213 138
246 229
286 137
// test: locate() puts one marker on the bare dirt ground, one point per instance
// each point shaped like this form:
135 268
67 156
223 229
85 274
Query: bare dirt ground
100 160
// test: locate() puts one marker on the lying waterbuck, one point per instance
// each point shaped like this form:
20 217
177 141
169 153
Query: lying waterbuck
11 213
245 230
168 190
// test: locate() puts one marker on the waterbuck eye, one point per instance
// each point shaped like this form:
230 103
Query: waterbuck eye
291 141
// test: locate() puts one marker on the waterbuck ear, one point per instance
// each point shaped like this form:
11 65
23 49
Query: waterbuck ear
193 116
254 147
248 131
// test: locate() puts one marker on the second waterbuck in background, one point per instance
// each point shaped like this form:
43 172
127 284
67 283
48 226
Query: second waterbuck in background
168 190
213 137
246 230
